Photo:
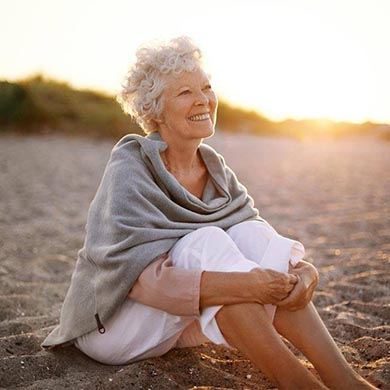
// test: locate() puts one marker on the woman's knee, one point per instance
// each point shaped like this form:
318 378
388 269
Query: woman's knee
192 247
243 228
252 238
205 233
214 231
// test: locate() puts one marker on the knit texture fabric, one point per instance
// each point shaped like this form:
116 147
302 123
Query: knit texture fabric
139 212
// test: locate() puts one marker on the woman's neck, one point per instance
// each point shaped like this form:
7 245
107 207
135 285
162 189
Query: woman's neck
181 163
182 157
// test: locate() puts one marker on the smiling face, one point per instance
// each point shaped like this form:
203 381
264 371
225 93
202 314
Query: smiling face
190 106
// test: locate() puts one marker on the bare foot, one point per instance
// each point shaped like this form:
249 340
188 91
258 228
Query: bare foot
358 383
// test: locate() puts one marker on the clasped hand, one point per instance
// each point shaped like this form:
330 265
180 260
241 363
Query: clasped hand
303 290
292 290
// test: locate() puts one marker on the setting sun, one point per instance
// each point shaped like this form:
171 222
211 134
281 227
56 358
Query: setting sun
302 59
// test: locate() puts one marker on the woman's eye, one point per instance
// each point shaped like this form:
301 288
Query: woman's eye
188 91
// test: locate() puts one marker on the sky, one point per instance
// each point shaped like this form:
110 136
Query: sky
322 59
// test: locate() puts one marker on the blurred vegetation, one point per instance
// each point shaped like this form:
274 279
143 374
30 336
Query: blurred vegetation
41 105
240 120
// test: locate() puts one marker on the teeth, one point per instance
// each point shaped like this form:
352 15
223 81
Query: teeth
201 117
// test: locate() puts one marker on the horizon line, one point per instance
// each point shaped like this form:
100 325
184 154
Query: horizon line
111 93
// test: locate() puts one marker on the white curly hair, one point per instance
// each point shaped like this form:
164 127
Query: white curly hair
143 85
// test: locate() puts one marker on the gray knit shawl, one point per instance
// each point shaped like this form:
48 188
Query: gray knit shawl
138 213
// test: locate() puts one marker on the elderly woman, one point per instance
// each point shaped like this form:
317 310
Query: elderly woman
175 252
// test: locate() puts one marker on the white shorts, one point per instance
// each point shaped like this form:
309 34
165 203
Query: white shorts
137 331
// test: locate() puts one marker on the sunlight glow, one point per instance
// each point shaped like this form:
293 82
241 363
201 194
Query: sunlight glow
300 59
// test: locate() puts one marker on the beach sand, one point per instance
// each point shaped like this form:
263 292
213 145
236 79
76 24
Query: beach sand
330 195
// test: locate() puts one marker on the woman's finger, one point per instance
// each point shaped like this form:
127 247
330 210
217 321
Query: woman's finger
291 298
293 278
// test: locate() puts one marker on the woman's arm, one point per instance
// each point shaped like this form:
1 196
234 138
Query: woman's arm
226 288
259 285
168 288
185 292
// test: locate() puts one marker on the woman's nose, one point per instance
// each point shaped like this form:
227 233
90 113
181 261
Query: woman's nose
202 98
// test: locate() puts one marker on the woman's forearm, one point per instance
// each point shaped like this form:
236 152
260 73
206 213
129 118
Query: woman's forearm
226 288
259 285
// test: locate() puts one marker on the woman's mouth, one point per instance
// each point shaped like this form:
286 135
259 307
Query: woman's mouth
200 117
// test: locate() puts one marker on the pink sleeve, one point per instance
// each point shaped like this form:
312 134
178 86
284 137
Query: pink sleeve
168 288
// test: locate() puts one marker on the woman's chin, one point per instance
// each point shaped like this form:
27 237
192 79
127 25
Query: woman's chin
205 130
211 133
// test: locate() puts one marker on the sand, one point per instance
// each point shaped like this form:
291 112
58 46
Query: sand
330 195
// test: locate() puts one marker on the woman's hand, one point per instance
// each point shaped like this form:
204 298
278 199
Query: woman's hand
303 291
272 286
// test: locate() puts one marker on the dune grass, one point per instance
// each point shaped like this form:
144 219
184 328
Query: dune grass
42 105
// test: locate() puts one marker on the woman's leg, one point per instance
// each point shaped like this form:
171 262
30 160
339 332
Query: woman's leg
306 331
259 242
248 327
303 328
